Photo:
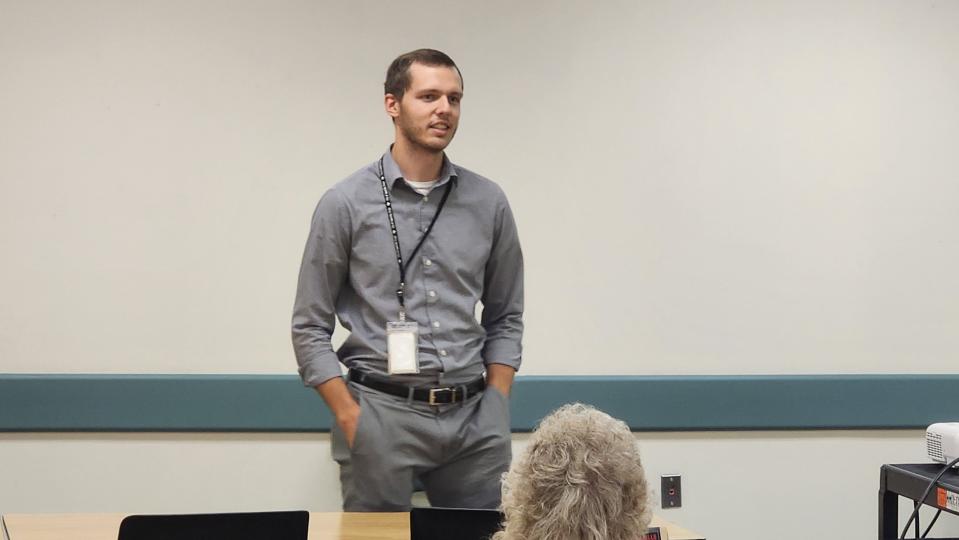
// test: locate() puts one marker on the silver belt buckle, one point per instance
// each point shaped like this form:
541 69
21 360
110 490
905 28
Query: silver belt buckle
433 395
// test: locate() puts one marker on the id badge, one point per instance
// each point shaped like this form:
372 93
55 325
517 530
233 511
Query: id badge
401 344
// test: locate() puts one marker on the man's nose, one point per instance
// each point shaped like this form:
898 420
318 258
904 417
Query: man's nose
443 105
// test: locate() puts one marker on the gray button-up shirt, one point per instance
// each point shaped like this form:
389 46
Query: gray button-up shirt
349 271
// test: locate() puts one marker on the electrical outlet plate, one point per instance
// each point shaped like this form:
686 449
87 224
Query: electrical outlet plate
672 491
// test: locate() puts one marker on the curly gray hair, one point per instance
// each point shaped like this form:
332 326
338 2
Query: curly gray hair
580 479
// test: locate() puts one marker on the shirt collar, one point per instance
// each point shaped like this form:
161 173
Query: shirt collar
393 173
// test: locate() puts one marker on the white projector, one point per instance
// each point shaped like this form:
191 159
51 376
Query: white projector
942 442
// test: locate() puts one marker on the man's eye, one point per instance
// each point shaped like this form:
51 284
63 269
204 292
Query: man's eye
429 97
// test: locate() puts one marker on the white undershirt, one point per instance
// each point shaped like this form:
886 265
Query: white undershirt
423 188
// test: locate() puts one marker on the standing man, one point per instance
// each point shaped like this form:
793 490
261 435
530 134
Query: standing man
402 251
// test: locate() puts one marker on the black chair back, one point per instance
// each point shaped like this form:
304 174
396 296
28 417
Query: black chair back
239 526
453 523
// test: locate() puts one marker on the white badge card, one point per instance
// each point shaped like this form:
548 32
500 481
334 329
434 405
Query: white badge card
401 341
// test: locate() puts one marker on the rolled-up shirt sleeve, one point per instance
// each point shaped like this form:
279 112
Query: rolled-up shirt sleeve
503 293
323 271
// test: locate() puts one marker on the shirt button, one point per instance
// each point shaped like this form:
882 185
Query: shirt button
443 352
431 294
436 324
426 198
427 262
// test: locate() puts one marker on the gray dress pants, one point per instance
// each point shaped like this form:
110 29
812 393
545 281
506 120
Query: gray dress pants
459 451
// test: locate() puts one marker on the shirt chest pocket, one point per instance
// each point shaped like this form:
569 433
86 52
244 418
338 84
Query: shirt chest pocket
372 252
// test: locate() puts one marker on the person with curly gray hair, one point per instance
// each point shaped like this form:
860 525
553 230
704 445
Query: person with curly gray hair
580 478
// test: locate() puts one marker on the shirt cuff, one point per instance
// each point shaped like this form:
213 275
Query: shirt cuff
503 351
320 369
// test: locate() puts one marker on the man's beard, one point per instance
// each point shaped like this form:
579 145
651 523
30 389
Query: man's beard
418 138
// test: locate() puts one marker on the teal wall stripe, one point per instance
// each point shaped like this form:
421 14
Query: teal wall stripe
279 403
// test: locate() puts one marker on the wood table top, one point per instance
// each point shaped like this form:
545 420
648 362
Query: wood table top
323 526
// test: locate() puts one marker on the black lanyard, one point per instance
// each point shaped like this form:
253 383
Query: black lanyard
396 238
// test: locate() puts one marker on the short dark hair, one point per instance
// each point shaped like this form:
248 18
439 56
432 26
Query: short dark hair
398 75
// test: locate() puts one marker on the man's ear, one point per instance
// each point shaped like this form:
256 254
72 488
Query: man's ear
392 105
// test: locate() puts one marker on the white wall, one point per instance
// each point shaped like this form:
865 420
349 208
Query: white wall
753 486
702 187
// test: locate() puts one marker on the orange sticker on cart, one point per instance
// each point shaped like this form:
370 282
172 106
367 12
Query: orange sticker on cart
947 499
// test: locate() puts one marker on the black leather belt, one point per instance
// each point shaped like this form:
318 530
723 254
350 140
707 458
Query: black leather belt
433 396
